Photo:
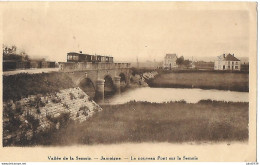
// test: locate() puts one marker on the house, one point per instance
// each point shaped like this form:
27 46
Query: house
227 62
43 64
170 61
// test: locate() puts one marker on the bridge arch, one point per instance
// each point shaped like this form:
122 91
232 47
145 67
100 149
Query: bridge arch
88 86
109 86
122 77
123 81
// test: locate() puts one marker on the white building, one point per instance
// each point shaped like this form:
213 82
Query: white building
170 61
227 62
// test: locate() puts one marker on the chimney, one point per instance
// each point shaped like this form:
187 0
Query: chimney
224 55
233 55
80 52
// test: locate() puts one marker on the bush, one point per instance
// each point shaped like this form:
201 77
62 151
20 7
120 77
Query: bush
84 110
18 108
62 119
66 106
72 96
36 102
56 100
35 123
81 96
38 111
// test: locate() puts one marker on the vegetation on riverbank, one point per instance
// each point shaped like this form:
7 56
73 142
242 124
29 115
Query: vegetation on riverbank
22 85
234 81
153 122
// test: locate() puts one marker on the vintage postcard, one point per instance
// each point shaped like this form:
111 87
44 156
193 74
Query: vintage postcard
128 81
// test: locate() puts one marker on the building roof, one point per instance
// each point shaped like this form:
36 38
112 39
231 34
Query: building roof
170 56
73 53
230 57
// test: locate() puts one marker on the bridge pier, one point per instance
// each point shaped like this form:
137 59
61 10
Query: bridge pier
117 83
100 90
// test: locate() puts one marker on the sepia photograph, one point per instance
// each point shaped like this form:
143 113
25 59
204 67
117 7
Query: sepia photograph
128 81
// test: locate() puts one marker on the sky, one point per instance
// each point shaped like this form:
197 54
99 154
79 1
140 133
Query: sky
126 31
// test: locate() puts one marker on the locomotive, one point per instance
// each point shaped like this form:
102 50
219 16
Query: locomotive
80 57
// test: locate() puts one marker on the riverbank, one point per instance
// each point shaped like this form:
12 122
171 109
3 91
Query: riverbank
172 122
204 80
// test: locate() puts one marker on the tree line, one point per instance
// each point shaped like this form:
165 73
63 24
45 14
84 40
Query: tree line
182 62
13 54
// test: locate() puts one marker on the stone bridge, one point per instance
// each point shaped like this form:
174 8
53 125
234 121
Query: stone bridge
98 78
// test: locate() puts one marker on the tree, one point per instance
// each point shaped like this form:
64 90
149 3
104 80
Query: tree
9 50
180 60
10 53
26 58
187 63
24 55
14 49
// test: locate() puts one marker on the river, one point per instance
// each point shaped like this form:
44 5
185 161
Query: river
193 95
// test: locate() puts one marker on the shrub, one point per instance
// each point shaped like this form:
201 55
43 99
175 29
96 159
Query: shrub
36 102
66 106
33 121
54 99
72 96
38 111
81 96
62 119
84 110
18 108
52 119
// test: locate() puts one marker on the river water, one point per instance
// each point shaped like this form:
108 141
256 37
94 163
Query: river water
193 95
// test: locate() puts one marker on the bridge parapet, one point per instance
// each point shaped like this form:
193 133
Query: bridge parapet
83 66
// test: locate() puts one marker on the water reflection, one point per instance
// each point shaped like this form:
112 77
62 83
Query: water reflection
160 95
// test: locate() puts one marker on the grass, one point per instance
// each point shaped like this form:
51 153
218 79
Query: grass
21 85
152 122
205 80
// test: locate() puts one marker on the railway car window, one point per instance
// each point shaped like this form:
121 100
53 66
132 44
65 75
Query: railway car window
70 57
75 58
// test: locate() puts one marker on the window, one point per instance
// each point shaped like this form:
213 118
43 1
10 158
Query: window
70 57
236 63
232 63
75 57
236 67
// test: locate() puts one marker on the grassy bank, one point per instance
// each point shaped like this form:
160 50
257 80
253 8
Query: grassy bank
152 122
204 80
22 85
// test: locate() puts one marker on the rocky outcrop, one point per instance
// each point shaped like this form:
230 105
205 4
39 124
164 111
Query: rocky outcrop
149 75
38 113
139 80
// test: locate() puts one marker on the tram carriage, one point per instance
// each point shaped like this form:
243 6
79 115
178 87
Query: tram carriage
80 57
